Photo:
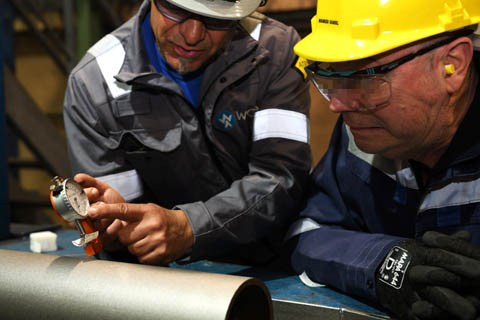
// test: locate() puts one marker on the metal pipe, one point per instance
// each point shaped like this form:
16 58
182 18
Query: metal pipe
45 286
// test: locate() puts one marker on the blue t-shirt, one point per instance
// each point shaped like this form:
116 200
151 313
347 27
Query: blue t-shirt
189 82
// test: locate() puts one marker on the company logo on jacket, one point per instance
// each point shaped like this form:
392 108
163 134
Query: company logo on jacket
226 120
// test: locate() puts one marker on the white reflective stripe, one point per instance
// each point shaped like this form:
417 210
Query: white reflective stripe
308 282
110 56
301 226
453 194
397 170
127 183
279 123
255 34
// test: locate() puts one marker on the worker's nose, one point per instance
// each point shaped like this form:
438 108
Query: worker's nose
193 31
342 103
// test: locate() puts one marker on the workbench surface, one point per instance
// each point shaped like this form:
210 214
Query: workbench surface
291 298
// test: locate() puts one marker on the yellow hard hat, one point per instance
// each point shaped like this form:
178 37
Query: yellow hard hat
344 30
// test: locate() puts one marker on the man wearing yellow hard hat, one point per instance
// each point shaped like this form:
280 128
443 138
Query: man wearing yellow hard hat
394 214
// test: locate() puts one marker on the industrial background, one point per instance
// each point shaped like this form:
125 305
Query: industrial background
40 42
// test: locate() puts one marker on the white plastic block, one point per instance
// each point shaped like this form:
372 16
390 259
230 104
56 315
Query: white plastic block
43 241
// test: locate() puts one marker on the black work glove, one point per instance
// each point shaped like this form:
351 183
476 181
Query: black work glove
420 282
458 243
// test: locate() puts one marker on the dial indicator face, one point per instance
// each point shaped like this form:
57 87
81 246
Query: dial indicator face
77 197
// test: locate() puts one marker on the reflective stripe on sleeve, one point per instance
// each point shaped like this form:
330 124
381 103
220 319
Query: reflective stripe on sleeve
110 56
279 123
127 183
301 226
453 194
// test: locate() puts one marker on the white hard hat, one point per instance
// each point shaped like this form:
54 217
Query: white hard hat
219 9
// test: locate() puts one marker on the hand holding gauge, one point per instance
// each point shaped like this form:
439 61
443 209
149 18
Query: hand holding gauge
71 203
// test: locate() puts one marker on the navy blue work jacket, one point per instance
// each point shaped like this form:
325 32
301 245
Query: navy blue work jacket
362 204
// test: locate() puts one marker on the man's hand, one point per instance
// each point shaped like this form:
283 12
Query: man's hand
153 234
420 282
98 193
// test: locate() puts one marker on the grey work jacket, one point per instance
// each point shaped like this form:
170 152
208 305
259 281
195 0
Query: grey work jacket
237 165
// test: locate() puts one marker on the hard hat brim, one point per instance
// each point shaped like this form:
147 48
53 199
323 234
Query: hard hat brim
325 48
219 9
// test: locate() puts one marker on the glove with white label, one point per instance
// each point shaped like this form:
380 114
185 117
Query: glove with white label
420 282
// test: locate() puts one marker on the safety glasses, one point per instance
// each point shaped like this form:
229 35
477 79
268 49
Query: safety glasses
180 15
362 90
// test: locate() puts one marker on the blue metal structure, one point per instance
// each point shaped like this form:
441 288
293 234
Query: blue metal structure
4 215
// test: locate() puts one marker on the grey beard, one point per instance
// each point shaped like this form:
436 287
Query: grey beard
183 66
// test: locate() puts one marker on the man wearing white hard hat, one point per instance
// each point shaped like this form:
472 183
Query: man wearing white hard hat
191 125
394 214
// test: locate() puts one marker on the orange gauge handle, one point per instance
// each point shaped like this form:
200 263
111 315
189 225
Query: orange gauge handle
55 208
94 246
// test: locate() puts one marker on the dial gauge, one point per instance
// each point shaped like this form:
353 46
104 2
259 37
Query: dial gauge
76 197
71 204
69 199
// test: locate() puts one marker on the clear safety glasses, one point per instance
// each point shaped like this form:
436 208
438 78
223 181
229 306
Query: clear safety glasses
180 15
361 90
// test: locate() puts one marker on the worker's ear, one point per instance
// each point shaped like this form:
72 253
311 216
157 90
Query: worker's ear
455 63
